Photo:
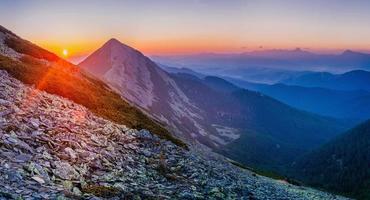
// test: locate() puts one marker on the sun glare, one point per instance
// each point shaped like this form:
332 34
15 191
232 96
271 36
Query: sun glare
65 52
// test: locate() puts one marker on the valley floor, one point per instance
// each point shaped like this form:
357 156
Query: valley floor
52 148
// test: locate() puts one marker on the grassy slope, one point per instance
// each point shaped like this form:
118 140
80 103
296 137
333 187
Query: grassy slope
65 79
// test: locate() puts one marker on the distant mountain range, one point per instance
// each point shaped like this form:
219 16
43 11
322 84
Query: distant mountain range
346 104
341 165
268 66
352 80
354 104
183 70
296 59
264 137
244 125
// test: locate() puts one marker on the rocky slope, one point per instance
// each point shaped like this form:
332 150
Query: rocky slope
146 85
33 65
53 148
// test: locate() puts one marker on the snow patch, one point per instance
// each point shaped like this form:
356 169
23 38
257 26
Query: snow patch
217 140
200 129
227 132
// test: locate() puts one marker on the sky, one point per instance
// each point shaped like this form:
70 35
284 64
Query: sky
190 26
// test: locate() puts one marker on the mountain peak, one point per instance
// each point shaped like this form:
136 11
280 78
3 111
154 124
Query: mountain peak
111 55
348 51
117 48
351 52
113 41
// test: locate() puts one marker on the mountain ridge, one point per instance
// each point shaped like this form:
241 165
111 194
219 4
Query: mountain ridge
241 114
351 80
274 59
350 104
36 66
145 84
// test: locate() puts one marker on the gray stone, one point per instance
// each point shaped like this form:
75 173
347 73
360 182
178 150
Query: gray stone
65 171
52 152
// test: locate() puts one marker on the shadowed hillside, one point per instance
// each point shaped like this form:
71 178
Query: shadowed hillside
342 165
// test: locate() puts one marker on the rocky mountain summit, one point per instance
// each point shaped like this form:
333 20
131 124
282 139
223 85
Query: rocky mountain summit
52 148
139 80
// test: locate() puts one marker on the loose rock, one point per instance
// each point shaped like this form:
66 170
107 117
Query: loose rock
52 148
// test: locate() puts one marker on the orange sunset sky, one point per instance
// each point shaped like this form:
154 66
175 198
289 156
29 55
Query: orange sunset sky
194 26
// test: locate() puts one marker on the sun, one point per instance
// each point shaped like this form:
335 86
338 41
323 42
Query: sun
65 52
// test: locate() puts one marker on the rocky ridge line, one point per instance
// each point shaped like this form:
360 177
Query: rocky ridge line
52 148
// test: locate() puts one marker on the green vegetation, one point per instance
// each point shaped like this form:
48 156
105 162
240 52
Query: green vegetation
341 166
66 80
101 191
26 47
4 30
272 134
266 173
238 164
